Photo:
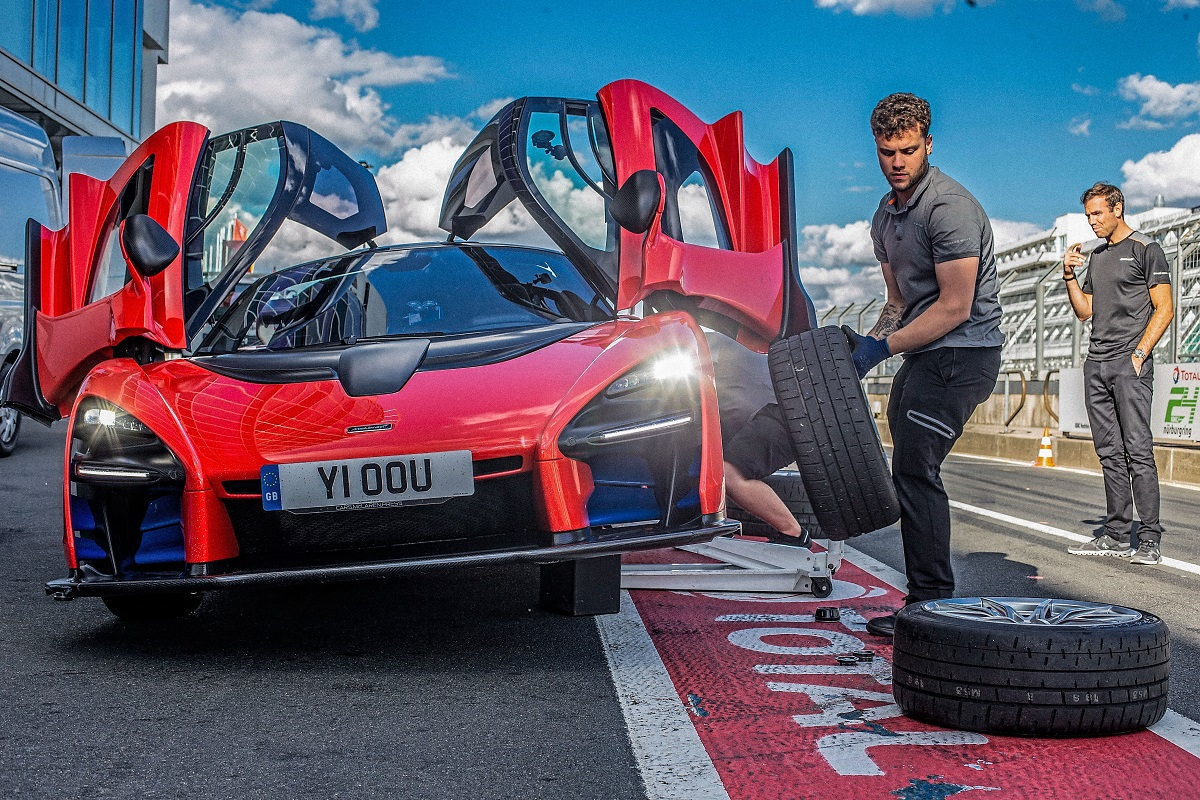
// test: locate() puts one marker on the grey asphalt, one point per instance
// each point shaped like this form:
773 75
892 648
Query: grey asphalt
440 686
994 558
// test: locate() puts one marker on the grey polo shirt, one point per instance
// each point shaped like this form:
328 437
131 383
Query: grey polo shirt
1119 277
941 222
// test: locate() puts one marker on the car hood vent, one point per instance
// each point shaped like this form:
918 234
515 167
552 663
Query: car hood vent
384 366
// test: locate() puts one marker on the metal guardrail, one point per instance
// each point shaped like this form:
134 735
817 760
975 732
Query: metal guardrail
1040 327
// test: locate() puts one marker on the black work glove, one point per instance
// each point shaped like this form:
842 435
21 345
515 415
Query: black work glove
866 350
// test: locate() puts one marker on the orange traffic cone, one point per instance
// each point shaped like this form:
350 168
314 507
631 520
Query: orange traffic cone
1045 456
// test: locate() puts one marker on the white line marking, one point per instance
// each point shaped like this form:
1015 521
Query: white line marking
1177 729
1073 470
671 759
1041 527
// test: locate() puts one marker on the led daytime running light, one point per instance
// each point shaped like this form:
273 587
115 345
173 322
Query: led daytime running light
641 429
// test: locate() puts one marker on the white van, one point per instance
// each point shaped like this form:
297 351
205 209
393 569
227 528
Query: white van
29 188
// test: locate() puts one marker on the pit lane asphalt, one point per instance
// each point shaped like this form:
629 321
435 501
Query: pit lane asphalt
447 685
999 559
441 686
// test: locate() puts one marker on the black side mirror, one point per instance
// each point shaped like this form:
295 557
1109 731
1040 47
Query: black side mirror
148 245
636 202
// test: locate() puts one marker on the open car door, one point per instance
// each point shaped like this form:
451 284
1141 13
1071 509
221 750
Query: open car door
211 205
719 238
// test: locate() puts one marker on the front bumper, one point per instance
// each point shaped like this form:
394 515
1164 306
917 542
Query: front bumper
85 582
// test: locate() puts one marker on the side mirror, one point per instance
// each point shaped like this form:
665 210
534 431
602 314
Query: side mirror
148 245
636 202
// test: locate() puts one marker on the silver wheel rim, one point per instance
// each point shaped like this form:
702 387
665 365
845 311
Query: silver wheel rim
1032 611
8 424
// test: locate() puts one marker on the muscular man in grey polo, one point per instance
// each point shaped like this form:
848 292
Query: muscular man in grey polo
1127 295
934 245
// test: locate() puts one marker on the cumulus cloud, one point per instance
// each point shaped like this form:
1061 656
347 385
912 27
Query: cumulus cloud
362 14
1080 126
907 8
1161 102
837 245
1005 231
1090 91
843 286
1174 173
1169 5
1108 10
230 69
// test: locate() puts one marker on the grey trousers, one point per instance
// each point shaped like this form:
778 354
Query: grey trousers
1118 408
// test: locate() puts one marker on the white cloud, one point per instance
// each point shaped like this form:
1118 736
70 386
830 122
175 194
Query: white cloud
1174 173
907 8
1108 10
1160 101
362 14
1090 91
837 245
1168 5
843 286
1006 231
231 69
1080 125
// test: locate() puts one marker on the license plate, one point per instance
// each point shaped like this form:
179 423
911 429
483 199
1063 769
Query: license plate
367 482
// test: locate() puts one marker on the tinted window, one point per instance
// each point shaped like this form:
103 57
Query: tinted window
99 52
17 28
112 271
422 291
691 209
72 32
566 173
25 195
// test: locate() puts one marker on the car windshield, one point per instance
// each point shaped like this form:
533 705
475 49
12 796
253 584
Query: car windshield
435 290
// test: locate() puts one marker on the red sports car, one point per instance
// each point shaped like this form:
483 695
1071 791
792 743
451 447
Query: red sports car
400 408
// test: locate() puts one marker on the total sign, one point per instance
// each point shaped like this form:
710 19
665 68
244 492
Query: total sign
1177 387
1172 416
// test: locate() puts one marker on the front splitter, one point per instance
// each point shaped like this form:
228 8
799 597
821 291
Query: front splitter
95 585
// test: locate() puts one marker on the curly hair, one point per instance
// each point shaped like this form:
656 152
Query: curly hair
898 113
1111 194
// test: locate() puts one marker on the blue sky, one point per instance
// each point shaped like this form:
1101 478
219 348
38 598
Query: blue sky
1033 100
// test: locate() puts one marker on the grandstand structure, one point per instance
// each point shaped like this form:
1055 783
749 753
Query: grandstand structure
1042 333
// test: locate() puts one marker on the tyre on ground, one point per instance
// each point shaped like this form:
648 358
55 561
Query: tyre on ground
838 452
1031 666
10 422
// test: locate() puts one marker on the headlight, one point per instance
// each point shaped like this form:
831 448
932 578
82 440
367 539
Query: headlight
111 447
114 419
666 369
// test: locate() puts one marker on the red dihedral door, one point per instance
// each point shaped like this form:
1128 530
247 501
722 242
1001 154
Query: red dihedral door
725 233
723 243
82 297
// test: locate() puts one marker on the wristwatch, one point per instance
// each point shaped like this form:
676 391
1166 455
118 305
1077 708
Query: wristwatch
1139 354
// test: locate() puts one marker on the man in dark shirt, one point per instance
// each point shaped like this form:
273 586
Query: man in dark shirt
1127 295
934 244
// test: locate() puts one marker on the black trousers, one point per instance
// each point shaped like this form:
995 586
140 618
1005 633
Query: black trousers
933 396
1118 407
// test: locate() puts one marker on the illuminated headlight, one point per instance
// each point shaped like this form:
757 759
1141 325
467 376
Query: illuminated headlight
111 447
115 420
665 369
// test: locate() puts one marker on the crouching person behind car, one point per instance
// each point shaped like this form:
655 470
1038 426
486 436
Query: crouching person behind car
754 436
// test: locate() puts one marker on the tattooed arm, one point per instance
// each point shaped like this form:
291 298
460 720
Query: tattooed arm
893 309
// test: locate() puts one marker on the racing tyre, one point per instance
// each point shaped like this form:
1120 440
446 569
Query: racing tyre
1031 667
838 451
10 422
153 607
790 487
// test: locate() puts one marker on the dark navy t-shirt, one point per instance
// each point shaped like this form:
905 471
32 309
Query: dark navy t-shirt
1119 277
